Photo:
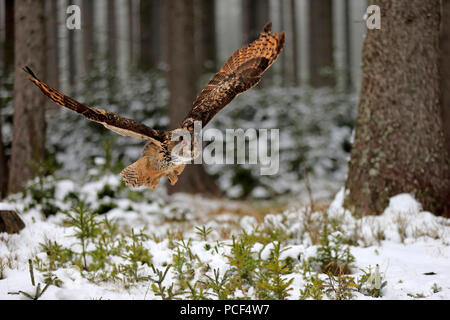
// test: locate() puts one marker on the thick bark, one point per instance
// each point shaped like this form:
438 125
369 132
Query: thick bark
181 80
445 69
28 145
399 142
321 60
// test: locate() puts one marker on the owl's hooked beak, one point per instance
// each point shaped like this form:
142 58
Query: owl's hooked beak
183 152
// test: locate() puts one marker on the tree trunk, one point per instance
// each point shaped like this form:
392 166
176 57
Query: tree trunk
10 222
8 48
255 14
112 34
52 74
283 59
28 145
87 28
205 36
9 35
150 27
399 142
321 60
445 69
181 80
52 51
348 46
294 40
3 165
134 21
72 64
289 59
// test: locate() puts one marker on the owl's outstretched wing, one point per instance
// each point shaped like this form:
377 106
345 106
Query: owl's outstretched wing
242 71
112 121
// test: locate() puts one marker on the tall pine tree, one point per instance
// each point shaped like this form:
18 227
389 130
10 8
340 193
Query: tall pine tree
399 143
181 80
28 147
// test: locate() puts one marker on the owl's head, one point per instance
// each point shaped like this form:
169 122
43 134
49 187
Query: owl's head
184 145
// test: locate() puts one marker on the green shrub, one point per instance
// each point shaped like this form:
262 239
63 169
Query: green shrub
332 255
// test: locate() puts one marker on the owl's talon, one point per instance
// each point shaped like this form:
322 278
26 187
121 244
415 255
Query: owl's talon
172 178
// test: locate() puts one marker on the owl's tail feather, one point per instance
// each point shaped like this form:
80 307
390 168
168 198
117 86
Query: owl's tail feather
133 175
141 173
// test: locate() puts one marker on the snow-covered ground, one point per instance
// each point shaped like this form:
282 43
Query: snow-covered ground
410 246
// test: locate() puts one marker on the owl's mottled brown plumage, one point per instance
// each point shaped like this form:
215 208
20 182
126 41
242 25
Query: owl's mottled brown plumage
242 71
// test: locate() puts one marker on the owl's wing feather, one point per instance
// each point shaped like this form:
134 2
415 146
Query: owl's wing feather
111 120
242 71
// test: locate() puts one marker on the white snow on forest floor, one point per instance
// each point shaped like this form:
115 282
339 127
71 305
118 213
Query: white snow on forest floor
410 246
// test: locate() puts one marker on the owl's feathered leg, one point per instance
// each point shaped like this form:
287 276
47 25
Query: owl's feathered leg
133 175
141 173
146 170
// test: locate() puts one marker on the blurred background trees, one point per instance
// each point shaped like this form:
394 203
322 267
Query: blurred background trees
147 59
321 63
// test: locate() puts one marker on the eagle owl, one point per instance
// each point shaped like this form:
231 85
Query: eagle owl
242 71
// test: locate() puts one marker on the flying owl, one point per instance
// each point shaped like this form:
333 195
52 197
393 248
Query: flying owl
242 71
